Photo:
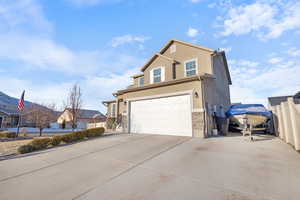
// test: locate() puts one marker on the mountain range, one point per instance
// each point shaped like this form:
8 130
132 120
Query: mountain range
10 101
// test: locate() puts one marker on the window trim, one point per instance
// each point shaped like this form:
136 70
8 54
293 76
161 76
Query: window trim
162 74
139 81
187 61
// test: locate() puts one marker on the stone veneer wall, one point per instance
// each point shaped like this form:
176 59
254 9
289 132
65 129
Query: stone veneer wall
124 123
198 124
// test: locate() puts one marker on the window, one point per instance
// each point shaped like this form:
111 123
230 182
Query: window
157 75
113 110
141 81
190 68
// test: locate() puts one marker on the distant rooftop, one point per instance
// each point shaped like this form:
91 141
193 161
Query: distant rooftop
84 113
274 101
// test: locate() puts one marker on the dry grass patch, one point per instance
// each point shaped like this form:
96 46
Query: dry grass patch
10 147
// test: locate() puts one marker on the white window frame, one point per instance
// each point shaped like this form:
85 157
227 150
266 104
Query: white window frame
113 114
139 83
162 74
187 61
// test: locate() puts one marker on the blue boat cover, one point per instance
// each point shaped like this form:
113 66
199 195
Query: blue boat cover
256 109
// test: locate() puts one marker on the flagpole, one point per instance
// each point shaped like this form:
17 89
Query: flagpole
19 122
20 108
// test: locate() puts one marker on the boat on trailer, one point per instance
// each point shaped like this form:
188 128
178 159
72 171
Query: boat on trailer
252 115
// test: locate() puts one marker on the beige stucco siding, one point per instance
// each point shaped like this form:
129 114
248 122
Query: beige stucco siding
109 109
159 62
188 86
184 53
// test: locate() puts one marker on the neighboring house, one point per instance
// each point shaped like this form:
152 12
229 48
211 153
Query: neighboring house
9 117
9 113
275 101
85 117
178 92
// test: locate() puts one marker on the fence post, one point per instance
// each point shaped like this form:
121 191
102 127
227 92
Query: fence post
295 121
280 124
287 123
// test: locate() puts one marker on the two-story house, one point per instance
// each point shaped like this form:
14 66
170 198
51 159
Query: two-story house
180 91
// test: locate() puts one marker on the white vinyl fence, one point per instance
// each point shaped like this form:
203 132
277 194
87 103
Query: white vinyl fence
287 122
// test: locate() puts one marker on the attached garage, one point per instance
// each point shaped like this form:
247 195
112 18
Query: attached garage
166 116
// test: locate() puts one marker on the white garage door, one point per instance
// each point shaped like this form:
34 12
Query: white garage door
165 116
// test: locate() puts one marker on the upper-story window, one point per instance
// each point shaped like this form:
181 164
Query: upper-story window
141 81
190 67
157 75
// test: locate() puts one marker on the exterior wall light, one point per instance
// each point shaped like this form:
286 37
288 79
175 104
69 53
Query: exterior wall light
196 94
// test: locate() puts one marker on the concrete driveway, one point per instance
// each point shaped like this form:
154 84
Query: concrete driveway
136 167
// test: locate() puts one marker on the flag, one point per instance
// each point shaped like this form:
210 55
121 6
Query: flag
21 102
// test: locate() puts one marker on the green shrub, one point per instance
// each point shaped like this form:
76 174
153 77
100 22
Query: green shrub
7 134
80 135
56 140
26 148
67 138
94 132
40 143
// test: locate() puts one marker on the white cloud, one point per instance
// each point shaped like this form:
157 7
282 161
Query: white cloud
94 89
24 14
125 39
99 72
275 60
289 21
92 2
244 19
246 63
226 49
294 52
255 84
265 19
192 32
245 95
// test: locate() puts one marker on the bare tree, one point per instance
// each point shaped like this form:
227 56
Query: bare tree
74 104
41 115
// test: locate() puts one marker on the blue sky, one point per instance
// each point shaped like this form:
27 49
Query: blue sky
46 46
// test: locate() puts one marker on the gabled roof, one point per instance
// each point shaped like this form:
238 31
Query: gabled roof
166 46
162 84
84 113
184 43
137 75
9 111
274 101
